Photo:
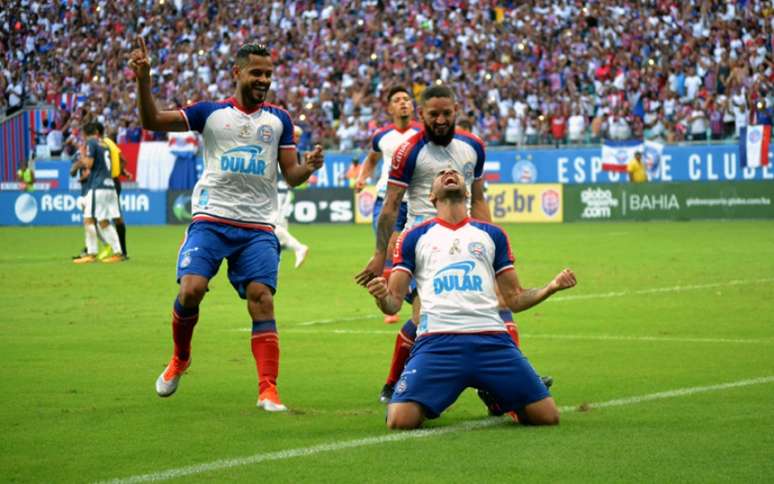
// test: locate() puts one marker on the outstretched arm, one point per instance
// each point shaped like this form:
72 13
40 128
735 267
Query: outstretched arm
389 296
150 116
520 299
384 228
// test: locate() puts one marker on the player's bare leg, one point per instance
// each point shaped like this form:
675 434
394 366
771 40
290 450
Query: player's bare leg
185 315
405 416
265 345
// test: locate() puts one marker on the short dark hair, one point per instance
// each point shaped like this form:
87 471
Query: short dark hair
91 128
437 90
244 52
395 90
100 128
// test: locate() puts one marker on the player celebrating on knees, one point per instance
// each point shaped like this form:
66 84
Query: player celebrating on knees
414 165
234 204
384 142
461 340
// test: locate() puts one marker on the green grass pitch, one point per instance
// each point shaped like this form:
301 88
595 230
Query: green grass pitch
681 308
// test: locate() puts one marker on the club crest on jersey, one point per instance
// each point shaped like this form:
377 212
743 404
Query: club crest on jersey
243 159
456 277
477 250
265 134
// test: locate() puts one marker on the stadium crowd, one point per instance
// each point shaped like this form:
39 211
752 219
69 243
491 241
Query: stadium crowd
527 72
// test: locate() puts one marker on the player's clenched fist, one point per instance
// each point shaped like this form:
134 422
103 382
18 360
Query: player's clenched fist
377 287
563 280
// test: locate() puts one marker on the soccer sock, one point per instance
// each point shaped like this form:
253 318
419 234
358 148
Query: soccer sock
403 344
510 326
265 346
111 237
91 239
121 231
282 235
293 243
183 321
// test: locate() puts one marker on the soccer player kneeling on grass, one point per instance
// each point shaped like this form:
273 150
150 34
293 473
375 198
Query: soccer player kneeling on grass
461 340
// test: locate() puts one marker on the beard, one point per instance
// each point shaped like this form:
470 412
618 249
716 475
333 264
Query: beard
441 139
251 96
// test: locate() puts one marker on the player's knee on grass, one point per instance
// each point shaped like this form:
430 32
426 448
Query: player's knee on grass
404 416
542 412
192 290
260 302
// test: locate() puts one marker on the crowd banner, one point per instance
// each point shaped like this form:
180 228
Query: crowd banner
669 201
59 207
509 203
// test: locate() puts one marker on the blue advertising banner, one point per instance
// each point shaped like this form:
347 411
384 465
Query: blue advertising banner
59 207
584 165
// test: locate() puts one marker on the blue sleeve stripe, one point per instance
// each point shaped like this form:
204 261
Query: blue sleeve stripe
407 155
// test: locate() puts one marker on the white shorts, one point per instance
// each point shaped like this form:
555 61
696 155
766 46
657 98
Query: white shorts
101 204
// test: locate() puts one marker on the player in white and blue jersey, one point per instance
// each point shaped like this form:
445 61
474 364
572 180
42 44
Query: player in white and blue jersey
438 145
461 340
246 140
384 143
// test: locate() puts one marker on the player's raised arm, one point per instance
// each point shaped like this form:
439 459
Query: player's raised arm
150 116
521 299
297 173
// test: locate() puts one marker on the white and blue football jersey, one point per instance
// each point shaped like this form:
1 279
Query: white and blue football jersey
241 153
455 268
418 160
386 141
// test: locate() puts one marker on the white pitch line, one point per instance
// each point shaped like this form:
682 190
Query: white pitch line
416 434
656 290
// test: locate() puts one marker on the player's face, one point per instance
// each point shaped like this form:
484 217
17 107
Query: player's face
439 115
449 183
254 79
400 105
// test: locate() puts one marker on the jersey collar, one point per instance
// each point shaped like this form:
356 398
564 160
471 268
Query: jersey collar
449 226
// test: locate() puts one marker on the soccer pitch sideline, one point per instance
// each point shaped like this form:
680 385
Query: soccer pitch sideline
663 357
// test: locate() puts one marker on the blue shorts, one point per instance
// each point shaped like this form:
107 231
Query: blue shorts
400 222
253 255
441 366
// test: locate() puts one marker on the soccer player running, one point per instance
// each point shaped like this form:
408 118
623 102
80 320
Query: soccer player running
234 204
462 341
100 201
384 143
414 165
